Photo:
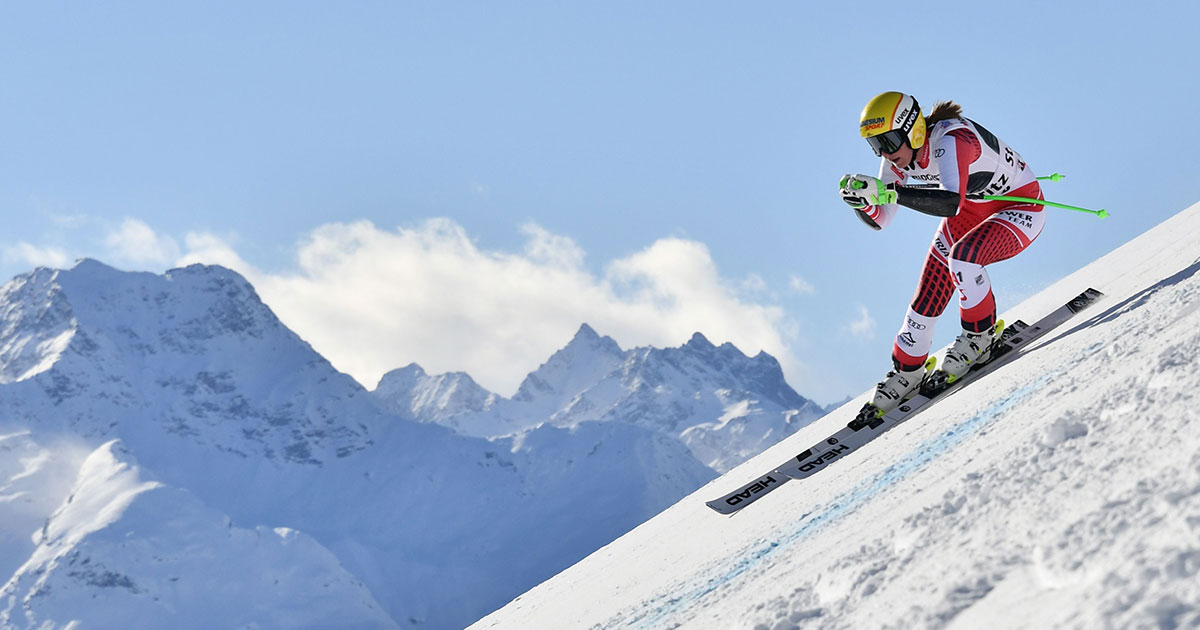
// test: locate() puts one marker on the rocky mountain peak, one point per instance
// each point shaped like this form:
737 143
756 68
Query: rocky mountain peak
105 346
584 360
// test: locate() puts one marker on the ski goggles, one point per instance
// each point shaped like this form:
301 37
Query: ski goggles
888 142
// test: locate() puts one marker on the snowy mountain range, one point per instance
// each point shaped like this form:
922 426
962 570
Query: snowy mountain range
172 456
723 405
1061 490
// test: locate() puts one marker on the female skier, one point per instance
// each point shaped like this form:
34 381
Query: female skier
923 158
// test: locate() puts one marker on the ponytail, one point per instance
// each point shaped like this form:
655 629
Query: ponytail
943 110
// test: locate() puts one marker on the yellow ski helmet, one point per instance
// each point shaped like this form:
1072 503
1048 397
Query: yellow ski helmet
890 120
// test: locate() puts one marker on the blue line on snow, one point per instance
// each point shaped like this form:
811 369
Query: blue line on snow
845 504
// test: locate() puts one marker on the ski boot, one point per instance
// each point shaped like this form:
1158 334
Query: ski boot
969 350
895 389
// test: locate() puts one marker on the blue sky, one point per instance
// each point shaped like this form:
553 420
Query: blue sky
461 184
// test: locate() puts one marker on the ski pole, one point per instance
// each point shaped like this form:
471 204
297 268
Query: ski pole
1102 213
1054 177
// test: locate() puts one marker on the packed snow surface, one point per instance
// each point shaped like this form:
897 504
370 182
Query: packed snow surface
1060 491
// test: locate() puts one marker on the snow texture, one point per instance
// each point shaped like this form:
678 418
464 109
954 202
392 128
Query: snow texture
1060 491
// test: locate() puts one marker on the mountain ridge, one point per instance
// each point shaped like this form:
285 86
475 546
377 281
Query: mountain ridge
720 402
190 379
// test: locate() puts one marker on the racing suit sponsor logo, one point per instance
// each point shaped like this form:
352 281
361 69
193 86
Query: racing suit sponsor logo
1000 186
1022 219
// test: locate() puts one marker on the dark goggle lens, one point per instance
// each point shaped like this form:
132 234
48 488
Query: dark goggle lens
888 142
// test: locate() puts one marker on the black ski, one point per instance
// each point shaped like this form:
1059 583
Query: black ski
859 432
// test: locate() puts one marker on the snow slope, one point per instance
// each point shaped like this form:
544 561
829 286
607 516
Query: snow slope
1060 491
151 552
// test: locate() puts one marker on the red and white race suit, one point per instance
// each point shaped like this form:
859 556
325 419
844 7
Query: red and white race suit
963 157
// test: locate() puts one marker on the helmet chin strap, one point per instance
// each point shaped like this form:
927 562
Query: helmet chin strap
918 154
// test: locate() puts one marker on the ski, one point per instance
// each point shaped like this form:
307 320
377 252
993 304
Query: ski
748 493
859 432
855 435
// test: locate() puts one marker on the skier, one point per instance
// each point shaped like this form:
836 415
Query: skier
923 157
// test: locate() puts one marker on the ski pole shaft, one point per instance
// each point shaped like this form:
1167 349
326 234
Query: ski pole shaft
1052 177
1102 213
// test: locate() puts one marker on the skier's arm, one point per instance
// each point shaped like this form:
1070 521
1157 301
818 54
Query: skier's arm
883 213
932 201
869 197
954 154
872 198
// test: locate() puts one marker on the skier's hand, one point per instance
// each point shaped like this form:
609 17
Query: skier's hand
860 191
852 196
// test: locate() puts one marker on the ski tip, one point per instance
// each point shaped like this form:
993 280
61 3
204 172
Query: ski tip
1084 300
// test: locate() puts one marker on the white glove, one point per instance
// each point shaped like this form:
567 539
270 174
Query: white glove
860 191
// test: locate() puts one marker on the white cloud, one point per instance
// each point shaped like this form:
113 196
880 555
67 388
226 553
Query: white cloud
546 248
210 249
138 244
371 300
37 256
753 283
864 326
801 286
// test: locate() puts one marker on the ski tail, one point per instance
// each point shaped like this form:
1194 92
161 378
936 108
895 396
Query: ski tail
748 493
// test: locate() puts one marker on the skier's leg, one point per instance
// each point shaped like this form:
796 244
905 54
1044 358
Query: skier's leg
929 302
911 348
1002 236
